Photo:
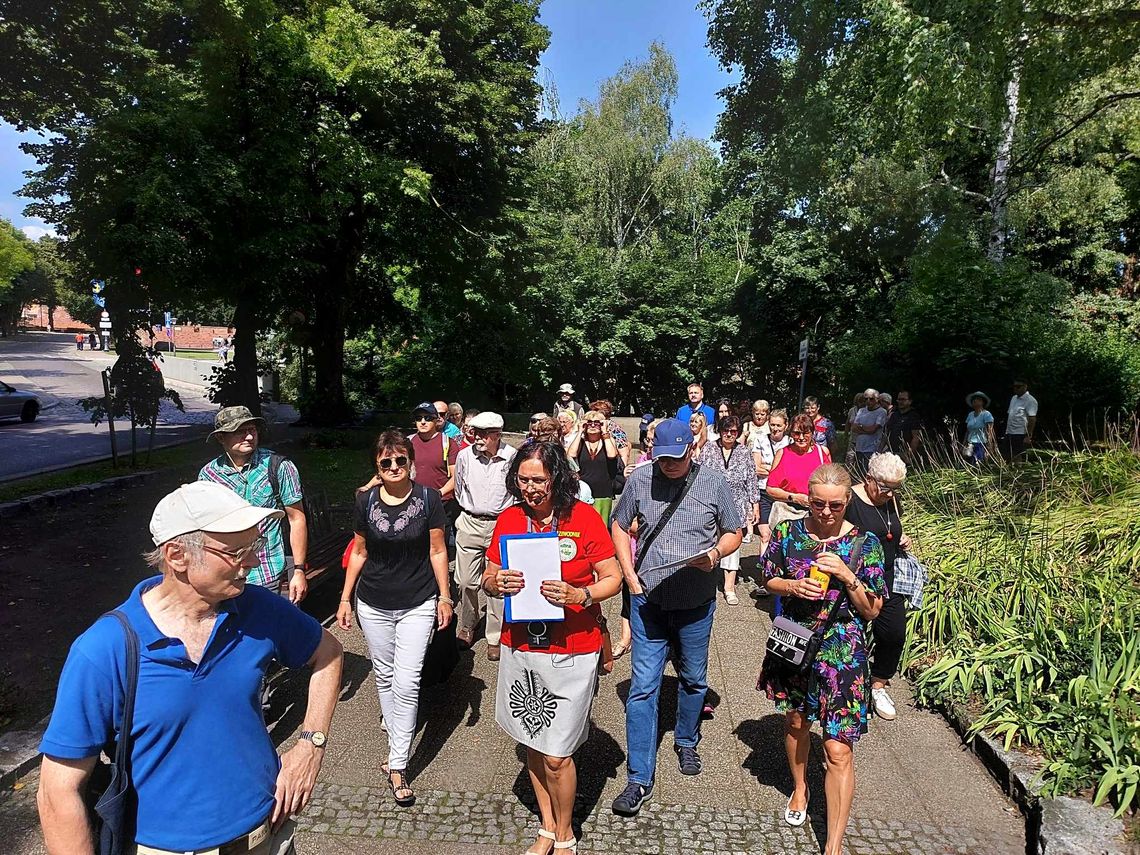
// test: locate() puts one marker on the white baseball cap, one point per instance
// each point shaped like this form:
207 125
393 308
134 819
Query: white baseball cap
205 506
566 387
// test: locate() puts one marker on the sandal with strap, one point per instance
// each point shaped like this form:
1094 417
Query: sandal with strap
401 787
548 835
570 845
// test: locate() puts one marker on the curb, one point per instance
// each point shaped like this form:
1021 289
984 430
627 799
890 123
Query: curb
1053 826
19 752
68 495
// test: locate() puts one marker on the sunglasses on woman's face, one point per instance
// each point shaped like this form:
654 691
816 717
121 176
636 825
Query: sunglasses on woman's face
820 504
592 423
801 433
399 462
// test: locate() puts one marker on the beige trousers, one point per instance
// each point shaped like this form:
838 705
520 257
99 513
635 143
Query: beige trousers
472 537
279 842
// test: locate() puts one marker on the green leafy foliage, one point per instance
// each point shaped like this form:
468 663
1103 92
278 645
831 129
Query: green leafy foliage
1032 611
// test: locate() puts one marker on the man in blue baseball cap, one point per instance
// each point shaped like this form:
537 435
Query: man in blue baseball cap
687 520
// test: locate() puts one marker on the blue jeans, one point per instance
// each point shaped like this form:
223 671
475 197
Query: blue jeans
653 630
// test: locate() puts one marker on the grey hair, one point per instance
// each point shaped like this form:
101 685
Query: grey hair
886 396
779 413
871 392
887 467
192 542
761 402
832 475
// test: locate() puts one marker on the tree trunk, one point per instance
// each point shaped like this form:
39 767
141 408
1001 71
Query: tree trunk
1128 280
999 199
327 403
245 353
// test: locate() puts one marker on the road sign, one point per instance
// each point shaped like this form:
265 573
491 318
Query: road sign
803 350
104 325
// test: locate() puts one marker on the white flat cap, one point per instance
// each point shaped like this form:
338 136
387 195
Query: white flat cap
487 420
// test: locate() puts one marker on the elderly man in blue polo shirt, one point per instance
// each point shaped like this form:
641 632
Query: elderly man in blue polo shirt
686 522
203 767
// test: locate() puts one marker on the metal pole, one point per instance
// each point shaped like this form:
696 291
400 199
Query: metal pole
107 397
803 368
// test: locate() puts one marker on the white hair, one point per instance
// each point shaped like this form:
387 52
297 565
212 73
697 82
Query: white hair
191 543
887 467
869 392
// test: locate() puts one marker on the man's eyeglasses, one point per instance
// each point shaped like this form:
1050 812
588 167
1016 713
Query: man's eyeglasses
733 431
532 482
440 415
424 417
485 433
398 462
242 554
819 504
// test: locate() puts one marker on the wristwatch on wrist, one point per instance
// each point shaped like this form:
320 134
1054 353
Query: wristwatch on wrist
301 568
589 601
317 737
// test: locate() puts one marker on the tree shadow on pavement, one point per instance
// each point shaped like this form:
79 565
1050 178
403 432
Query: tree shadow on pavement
768 764
443 708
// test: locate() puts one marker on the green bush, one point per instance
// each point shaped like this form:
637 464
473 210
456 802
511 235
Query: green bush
1031 614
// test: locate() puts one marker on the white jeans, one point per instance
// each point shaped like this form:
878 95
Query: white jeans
397 642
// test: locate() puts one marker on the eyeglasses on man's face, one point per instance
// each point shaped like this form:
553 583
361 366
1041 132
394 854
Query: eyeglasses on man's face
398 462
441 415
424 417
240 555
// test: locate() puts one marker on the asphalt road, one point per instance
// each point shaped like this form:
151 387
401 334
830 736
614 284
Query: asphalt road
49 365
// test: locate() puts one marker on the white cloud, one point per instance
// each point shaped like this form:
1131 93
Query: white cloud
37 232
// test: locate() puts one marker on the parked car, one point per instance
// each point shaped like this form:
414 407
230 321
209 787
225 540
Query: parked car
15 404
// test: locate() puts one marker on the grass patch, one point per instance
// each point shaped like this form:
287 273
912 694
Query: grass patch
1032 610
162 458
187 353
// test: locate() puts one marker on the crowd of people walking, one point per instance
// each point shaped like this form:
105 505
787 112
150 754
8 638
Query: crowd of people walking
186 656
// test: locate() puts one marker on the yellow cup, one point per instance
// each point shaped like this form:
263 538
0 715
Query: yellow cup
823 578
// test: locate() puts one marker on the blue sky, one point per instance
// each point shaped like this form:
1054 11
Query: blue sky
590 39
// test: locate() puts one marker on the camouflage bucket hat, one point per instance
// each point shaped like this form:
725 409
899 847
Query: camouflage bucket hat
231 418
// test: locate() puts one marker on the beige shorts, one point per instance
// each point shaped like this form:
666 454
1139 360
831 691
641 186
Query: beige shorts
277 843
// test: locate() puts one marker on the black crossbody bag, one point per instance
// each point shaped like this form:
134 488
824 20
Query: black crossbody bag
110 796
793 644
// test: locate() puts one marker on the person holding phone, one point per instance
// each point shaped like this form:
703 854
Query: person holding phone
836 688
548 670
596 453
398 573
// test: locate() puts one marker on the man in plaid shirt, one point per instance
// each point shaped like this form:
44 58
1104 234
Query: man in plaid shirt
243 466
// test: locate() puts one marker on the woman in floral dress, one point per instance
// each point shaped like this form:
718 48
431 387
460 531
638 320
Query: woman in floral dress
735 463
835 690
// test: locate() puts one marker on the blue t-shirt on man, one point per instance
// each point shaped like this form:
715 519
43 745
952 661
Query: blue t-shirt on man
203 765
686 413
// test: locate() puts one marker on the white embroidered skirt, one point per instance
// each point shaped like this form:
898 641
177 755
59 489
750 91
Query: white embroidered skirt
543 700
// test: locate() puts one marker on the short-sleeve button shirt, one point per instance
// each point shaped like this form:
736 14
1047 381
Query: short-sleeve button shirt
252 483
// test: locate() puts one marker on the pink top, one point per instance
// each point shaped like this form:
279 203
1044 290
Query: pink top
793 470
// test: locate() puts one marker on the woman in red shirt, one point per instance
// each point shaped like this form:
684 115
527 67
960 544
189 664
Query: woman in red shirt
548 670
792 467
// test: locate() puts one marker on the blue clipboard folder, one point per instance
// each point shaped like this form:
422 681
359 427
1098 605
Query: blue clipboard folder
538 557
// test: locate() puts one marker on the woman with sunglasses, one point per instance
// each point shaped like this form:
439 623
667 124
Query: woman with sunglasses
595 451
793 466
398 571
735 463
875 508
548 670
830 575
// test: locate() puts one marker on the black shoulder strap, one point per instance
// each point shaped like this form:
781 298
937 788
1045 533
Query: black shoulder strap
643 543
852 560
275 461
122 755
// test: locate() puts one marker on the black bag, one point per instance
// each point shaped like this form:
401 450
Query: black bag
110 796
441 658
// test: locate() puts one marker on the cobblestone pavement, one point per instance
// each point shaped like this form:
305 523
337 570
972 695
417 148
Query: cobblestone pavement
917 789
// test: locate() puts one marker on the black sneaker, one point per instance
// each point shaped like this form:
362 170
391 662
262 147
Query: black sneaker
689 759
631 799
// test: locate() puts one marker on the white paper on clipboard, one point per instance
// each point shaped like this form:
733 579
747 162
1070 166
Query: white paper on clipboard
538 559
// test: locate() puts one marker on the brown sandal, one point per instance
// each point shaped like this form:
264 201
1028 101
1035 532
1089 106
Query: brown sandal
398 783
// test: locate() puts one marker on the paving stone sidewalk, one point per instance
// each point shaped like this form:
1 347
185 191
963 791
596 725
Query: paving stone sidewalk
917 789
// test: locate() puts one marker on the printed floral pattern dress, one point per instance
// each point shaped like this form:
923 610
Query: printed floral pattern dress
840 691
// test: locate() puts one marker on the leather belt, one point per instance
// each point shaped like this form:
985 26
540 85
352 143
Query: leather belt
245 843
484 517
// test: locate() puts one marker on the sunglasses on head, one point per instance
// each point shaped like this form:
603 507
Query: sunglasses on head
820 504
535 421
398 462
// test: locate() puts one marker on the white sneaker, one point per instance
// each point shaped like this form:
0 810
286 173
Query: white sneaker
884 706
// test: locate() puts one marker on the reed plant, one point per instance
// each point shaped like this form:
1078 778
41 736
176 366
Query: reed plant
1030 616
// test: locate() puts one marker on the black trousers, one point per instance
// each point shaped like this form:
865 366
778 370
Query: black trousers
889 633
1012 446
